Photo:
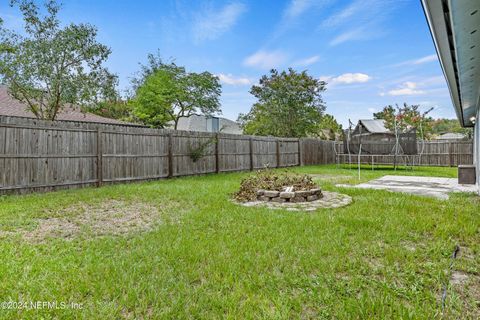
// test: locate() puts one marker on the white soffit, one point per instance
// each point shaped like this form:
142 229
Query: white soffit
455 28
465 15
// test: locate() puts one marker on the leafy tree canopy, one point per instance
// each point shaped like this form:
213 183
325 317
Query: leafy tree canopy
52 66
329 128
167 92
440 126
289 105
114 109
406 118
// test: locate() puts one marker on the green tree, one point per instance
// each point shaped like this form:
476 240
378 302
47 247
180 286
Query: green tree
407 117
169 93
289 105
388 112
51 66
154 63
440 126
115 109
329 128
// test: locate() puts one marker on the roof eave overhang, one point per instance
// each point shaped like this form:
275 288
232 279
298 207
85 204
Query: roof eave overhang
441 32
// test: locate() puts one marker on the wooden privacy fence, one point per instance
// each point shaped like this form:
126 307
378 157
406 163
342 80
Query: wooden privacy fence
315 151
43 155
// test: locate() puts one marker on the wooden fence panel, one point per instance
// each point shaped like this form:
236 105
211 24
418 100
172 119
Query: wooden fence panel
45 155
184 143
43 158
264 152
315 151
128 157
288 151
234 152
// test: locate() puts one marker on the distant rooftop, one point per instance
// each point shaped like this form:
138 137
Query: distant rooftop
451 136
374 125
203 123
14 108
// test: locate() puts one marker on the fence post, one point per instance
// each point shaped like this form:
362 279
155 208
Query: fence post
99 158
278 153
251 153
450 153
217 155
300 151
170 155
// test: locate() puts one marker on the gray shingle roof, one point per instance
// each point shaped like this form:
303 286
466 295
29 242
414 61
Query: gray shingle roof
375 126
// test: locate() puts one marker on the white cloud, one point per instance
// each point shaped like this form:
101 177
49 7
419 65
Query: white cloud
347 78
360 33
211 24
430 58
292 13
325 78
234 81
372 110
307 61
435 80
265 59
408 88
360 20
361 12
422 60
342 15
298 7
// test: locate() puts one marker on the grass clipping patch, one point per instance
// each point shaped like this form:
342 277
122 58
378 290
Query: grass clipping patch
273 181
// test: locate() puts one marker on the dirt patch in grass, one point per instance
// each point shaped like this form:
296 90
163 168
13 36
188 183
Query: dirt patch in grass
459 278
466 287
111 217
413 246
332 178
52 228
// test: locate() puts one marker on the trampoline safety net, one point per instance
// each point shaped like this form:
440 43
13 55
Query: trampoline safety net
381 143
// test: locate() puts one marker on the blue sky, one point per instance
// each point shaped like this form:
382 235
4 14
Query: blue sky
371 52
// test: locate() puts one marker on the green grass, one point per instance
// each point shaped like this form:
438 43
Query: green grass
386 256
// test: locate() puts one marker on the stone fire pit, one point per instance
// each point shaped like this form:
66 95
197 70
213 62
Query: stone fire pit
328 200
286 190
289 195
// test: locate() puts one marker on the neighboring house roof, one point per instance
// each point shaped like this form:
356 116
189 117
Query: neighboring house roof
374 125
14 108
201 123
454 26
451 136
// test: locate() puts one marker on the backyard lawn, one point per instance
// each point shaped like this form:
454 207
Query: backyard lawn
180 249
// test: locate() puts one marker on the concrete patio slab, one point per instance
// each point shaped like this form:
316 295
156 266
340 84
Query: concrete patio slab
424 186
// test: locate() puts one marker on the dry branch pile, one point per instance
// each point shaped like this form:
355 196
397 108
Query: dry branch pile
274 181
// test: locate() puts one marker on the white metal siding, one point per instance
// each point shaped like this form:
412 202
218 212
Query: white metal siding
476 148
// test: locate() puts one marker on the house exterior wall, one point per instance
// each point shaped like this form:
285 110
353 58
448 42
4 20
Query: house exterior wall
208 124
476 148
228 126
